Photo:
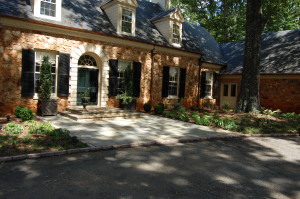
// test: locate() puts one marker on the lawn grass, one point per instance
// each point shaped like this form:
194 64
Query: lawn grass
29 141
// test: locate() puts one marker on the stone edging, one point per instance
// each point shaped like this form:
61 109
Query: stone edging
135 145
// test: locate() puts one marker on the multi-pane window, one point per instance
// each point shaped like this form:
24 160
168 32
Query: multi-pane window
173 81
208 84
126 21
48 8
38 63
176 34
124 68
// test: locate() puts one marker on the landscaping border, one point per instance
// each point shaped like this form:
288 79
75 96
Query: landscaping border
136 145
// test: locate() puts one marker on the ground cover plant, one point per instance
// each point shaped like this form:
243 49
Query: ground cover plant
33 136
260 123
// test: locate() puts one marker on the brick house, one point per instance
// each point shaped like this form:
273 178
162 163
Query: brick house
91 44
279 74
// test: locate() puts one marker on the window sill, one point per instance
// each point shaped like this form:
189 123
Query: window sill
173 97
176 45
208 97
53 96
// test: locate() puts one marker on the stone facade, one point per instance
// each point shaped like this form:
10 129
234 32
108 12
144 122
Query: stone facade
277 91
13 40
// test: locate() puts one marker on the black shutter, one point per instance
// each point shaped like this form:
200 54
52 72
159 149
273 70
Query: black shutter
203 86
182 82
63 75
137 70
27 79
113 77
165 84
215 85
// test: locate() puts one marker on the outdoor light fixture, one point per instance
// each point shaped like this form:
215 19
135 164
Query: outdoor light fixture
8 117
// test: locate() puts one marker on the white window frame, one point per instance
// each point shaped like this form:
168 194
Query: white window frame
44 52
122 72
36 6
176 80
131 22
209 81
119 28
179 25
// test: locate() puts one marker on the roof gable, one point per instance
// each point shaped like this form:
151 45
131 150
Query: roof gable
280 53
131 3
173 14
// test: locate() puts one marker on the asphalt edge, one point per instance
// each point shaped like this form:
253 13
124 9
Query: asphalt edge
135 145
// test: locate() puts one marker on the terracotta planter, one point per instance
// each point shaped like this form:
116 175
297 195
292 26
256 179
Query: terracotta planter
47 107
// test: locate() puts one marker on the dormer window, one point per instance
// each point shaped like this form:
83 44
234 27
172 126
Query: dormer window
122 15
48 8
126 21
176 34
169 23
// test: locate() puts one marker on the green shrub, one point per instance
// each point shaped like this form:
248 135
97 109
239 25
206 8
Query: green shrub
207 105
26 114
229 125
226 106
159 108
63 133
13 128
183 116
18 110
290 116
43 128
147 107
31 123
177 106
204 120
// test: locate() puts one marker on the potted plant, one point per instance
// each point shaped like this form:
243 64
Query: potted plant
85 98
126 99
127 102
46 106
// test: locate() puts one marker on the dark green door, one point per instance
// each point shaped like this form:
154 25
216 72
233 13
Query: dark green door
88 78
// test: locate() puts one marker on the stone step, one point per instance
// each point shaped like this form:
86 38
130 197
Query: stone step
96 111
97 117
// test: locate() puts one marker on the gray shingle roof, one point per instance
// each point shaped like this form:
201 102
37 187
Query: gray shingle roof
280 53
162 14
87 15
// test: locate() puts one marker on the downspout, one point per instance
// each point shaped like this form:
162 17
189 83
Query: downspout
199 81
153 53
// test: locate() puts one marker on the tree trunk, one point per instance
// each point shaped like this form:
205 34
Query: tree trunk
249 92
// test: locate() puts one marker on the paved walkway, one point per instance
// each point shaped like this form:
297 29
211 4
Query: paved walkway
127 131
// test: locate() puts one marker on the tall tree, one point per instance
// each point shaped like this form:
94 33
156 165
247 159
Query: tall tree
249 92
226 19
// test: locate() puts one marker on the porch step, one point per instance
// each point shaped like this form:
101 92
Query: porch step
96 114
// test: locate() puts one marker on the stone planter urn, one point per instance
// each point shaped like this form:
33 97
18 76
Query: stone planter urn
85 101
47 107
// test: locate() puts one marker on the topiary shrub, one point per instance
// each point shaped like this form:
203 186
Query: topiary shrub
147 107
26 114
159 108
18 111
13 128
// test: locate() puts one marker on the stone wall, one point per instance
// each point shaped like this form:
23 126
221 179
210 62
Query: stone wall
13 40
278 91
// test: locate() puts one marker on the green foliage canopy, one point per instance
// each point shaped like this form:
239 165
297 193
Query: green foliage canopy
226 19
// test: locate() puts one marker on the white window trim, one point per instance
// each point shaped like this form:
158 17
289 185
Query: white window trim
36 7
126 61
178 81
119 28
211 85
180 34
53 95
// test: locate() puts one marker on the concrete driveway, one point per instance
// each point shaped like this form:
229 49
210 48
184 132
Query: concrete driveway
239 169
126 131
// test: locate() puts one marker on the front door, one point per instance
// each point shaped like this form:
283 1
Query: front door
229 94
88 79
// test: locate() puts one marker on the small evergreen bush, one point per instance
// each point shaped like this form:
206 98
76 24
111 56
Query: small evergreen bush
18 111
13 128
159 108
26 114
147 107
45 88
